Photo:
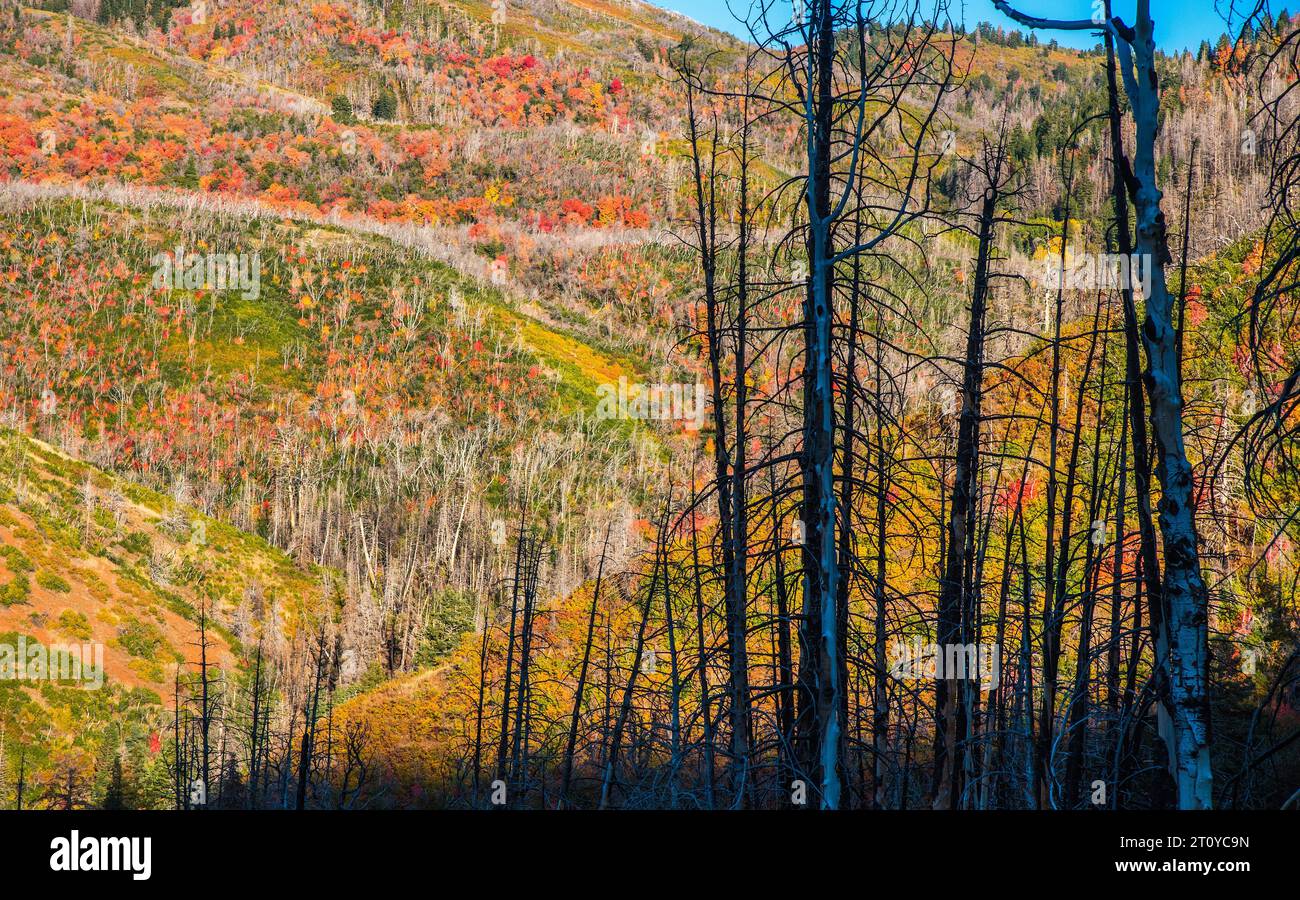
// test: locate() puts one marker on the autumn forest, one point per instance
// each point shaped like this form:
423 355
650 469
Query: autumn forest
565 405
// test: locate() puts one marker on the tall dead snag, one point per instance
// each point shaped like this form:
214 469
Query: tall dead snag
205 701
638 652
580 690
958 624
310 713
1135 399
708 180
182 799
702 666
737 573
479 706
524 694
879 592
516 584
1080 705
1059 554
821 561
785 660
861 80
1184 604
255 731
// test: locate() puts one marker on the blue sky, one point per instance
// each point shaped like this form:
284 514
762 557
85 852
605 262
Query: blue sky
1180 24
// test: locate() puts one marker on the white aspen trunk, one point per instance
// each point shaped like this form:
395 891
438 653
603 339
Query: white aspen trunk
1186 598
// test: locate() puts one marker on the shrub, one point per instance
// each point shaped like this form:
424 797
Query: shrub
16 559
74 624
147 670
52 582
15 591
136 542
140 639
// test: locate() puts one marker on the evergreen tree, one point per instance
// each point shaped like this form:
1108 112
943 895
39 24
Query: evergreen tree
114 795
385 105
342 108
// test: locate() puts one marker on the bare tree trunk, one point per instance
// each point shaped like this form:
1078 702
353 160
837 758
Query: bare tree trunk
956 591
625 707
582 676
821 568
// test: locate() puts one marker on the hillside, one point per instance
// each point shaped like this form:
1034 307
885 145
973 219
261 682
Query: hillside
354 356
91 559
